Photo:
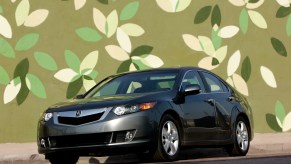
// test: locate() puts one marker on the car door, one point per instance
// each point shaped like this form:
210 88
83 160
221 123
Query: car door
199 111
223 103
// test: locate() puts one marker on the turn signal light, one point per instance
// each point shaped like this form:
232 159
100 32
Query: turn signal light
146 106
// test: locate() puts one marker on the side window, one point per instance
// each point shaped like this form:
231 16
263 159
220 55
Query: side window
192 77
214 84
134 87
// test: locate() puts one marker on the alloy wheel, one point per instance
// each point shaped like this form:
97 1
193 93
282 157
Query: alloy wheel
242 136
170 138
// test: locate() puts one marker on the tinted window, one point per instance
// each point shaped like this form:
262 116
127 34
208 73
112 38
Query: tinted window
213 83
192 77
142 82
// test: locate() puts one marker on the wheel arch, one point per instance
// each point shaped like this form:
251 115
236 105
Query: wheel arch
236 114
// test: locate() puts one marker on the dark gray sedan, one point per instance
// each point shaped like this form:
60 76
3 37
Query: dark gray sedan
153 113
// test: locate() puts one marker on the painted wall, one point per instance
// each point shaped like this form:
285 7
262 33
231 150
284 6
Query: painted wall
53 50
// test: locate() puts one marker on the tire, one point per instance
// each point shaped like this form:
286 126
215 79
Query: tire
241 144
62 158
168 144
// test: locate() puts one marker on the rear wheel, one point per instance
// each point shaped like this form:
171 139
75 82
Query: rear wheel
241 144
62 158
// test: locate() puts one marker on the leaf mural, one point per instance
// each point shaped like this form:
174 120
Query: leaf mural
244 21
27 42
12 90
74 88
288 25
192 42
215 16
268 77
117 53
142 50
79 4
123 40
22 12
173 6
246 69
66 75
202 14
258 19
129 11
103 2
272 122
45 61
35 85
215 38
5 29
240 84
279 47
284 3
228 31
132 29
283 12
6 49
72 60
36 18
88 34
280 113
105 25
4 78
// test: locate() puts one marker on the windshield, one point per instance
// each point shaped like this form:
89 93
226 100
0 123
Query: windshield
142 82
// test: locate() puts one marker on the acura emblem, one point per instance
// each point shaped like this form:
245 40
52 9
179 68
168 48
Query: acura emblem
78 113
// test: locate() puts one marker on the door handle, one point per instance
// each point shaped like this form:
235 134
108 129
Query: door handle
210 101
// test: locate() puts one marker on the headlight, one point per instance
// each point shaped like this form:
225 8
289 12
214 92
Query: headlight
122 110
47 116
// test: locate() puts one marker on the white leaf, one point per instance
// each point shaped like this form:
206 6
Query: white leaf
220 54
279 122
240 84
5 28
207 45
117 53
99 20
22 12
166 5
237 2
174 3
206 63
268 77
89 62
192 42
132 67
228 31
79 4
258 19
13 1
12 90
88 84
233 63
230 81
36 18
152 61
182 5
255 5
132 29
112 23
284 3
123 40
65 75
287 123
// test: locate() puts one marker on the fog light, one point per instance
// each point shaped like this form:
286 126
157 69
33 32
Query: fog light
129 136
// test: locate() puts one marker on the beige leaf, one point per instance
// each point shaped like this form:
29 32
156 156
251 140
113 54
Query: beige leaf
240 84
206 63
36 18
123 40
268 77
99 20
79 4
117 53
192 42
5 28
233 63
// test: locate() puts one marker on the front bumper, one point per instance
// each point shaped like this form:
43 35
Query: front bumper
109 135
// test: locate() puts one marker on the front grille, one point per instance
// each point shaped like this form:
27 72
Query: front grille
79 120
80 140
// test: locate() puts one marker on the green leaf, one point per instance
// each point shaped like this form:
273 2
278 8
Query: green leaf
72 60
214 62
4 78
88 34
288 25
27 42
23 93
253 1
244 21
280 111
279 46
140 65
202 14
93 74
35 86
124 66
6 49
45 61
129 10
216 16
246 69
216 40
1 9
74 88
272 122
105 2
142 50
21 69
283 12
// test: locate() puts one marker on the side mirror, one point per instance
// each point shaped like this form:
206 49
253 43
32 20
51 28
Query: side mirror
192 89
79 96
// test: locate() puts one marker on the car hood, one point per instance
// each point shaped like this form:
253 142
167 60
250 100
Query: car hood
105 101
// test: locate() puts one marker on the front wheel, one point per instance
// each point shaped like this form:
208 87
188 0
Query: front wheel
168 140
241 144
